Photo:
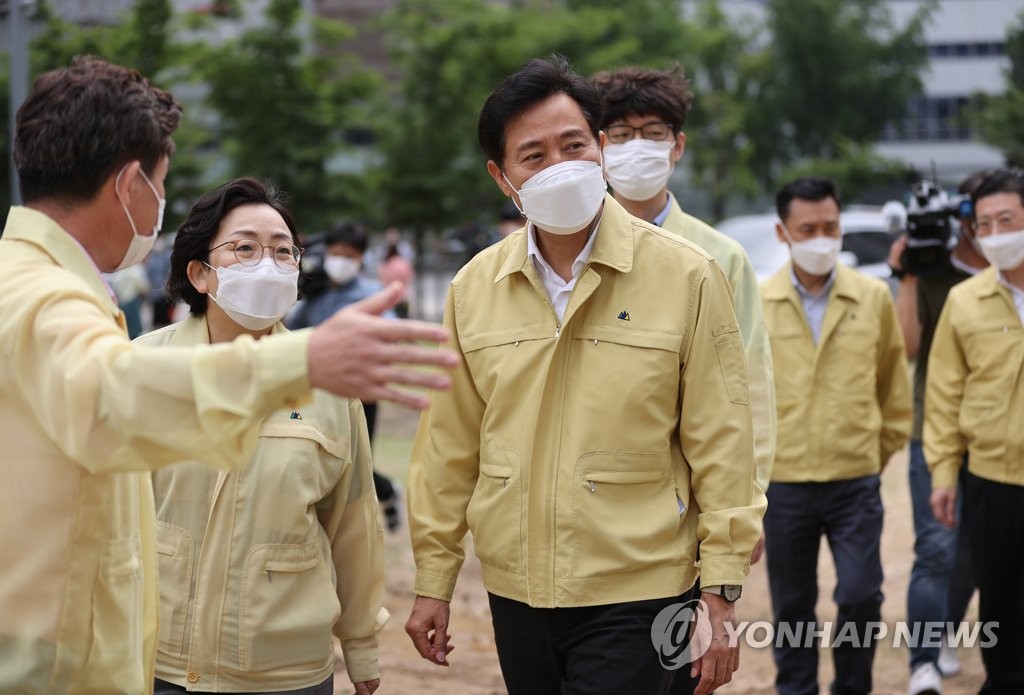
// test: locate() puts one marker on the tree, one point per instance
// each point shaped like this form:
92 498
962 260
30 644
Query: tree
728 68
281 109
1000 119
451 55
839 68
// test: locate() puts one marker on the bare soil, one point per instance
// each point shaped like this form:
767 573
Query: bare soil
474 665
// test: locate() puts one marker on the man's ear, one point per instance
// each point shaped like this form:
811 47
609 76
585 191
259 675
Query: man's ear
780 233
124 180
196 272
679 147
495 171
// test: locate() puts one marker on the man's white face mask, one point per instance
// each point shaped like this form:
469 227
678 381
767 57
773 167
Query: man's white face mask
1004 250
565 197
817 256
639 169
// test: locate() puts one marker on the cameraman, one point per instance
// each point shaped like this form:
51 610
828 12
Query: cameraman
941 581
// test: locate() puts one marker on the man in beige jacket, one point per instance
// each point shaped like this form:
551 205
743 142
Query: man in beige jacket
84 413
598 435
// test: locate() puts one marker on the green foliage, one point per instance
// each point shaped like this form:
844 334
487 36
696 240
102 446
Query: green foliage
281 111
840 67
1000 118
855 168
450 56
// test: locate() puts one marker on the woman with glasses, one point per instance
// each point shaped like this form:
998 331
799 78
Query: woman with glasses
259 568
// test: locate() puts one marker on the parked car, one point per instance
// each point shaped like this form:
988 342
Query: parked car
866 242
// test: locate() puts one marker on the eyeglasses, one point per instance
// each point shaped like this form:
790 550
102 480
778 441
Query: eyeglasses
247 252
619 134
1007 222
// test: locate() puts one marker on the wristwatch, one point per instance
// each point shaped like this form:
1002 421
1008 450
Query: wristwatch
730 592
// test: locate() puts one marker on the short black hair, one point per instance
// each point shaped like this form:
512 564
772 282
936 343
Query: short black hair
999 181
533 83
348 233
813 188
197 232
636 91
82 123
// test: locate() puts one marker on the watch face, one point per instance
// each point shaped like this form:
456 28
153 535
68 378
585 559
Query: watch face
731 593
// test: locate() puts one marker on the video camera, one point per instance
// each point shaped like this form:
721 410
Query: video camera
928 222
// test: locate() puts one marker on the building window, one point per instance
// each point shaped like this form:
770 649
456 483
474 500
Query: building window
941 119
967 50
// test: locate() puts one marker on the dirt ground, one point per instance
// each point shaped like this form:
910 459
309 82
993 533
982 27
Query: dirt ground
474 666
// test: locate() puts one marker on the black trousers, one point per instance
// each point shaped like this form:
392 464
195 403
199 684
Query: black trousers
849 513
591 650
997 540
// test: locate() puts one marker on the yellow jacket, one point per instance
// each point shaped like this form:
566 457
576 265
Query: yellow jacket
563 446
747 302
974 400
844 405
84 415
257 568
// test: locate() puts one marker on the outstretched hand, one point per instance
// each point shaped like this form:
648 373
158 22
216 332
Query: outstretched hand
358 354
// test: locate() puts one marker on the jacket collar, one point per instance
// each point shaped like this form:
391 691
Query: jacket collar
34 227
613 245
988 285
780 285
194 330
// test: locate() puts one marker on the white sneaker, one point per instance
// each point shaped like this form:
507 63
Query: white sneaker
925 680
949 661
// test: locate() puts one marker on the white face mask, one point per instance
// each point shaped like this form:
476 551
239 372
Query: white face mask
564 198
816 256
256 296
140 245
639 169
1004 250
341 269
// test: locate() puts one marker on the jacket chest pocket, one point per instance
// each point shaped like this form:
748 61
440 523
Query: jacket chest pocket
853 362
504 359
634 373
625 515
287 608
292 462
175 550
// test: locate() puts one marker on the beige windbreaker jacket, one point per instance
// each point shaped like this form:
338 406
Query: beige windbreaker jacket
84 415
974 401
258 568
747 303
563 446
844 403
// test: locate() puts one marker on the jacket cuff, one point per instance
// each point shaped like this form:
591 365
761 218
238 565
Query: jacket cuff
361 658
433 585
945 474
282 365
723 569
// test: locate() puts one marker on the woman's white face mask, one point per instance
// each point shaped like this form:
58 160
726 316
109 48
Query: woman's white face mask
565 197
256 296
639 169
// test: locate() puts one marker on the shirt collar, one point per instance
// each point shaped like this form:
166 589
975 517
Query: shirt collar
659 219
533 251
807 294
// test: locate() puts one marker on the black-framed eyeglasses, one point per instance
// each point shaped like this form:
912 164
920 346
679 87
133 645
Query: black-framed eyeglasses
619 134
250 252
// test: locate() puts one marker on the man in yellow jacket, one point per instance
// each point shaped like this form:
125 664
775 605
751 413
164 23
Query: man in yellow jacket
643 113
844 407
974 404
597 438
84 413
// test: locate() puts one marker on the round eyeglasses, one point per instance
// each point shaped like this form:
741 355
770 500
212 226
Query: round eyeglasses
619 134
249 252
